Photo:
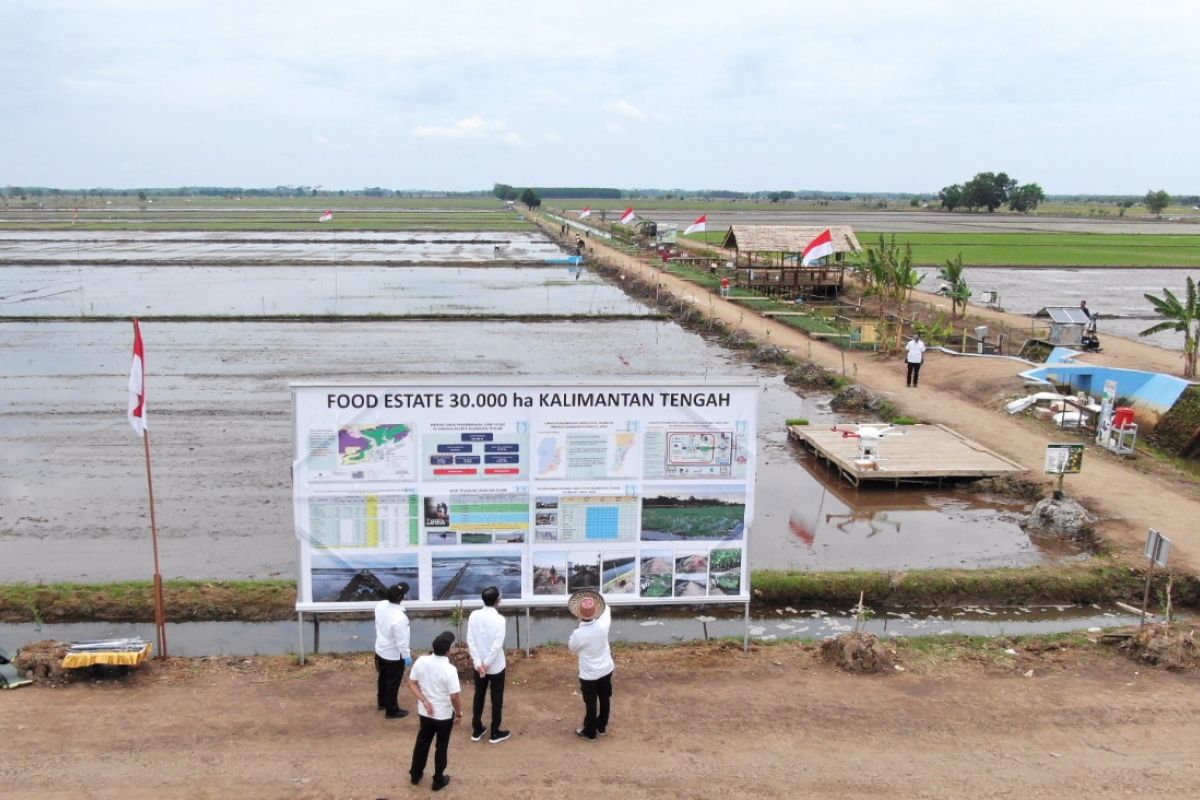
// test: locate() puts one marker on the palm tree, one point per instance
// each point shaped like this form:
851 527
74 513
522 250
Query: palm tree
956 284
1184 317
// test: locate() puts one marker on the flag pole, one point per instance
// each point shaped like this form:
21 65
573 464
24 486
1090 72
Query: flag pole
160 614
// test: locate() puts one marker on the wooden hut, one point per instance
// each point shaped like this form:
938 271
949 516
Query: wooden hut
767 258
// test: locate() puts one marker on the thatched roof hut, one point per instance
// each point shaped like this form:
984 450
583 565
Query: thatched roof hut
767 258
787 238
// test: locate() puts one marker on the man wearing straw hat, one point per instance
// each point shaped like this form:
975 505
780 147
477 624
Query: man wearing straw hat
590 642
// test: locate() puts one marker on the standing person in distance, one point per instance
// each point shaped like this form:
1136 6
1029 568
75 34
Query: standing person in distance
590 642
434 682
915 355
392 653
486 630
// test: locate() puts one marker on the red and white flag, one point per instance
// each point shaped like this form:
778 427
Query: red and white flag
818 248
628 216
699 226
587 212
137 384
326 217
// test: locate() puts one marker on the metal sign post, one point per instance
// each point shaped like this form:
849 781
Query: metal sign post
1061 459
1157 549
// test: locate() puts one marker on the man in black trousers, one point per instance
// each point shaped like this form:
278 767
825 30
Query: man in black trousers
486 630
392 653
434 682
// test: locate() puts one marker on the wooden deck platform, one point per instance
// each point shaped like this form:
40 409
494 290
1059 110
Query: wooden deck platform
907 454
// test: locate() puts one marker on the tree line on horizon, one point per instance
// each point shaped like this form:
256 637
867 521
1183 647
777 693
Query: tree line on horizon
985 190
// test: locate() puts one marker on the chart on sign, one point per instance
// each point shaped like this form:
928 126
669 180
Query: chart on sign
643 492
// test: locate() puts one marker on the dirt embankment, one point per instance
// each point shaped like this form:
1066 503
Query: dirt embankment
1028 719
967 394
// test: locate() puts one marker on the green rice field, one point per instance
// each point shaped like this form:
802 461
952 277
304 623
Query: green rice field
1050 249
1037 249
700 522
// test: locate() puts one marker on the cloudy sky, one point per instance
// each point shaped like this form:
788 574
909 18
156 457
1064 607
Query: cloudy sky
1100 96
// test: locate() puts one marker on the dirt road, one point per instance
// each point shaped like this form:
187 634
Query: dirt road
967 394
688 722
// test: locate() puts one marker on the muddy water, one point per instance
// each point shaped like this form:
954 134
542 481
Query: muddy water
73 483
216 247
63 290
1117 295
642 625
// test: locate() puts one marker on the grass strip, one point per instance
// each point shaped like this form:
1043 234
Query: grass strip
1100 580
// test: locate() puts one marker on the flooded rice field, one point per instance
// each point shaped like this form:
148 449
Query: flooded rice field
1117 295
17 248
655 625
73 488
91 291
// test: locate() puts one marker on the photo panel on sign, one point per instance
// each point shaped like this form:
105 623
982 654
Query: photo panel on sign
545 518
583 570
618 572
657 569
550 572
691 573
725 571
693 512
359 576
462 574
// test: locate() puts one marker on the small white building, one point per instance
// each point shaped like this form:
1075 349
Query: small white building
1067 324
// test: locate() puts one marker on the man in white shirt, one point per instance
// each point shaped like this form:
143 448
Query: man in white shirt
434 682
392 653
590 642
486 630
916 354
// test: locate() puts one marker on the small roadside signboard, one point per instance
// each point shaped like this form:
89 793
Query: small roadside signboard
1062 459
1157 547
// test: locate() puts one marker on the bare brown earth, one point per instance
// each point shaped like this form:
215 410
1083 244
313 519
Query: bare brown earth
968 393
701 721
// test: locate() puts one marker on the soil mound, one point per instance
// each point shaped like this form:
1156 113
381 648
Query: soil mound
1061 517
857 398
769 354
42 661
1009 486
739 340
811 375
1169 648
857 652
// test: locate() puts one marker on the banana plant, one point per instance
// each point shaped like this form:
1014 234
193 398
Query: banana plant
1179 316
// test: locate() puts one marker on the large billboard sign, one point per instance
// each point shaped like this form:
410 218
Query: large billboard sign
644 492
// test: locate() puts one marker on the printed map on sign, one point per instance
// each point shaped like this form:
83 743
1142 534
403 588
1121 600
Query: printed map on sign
373 444
566 451
623 444
549 457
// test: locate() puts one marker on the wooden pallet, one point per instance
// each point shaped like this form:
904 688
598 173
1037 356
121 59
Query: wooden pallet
907 454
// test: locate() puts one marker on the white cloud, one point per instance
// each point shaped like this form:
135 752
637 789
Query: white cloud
626 110
475 127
